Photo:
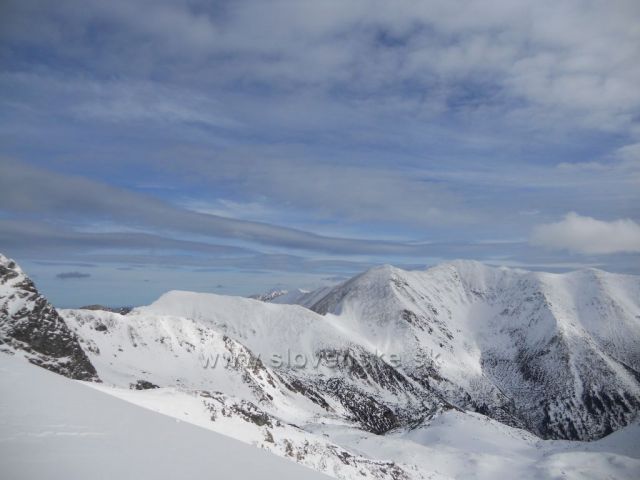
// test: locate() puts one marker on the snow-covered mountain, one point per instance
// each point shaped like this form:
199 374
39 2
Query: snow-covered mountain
355 380
29 323
270 295
215 354
558 354
306 298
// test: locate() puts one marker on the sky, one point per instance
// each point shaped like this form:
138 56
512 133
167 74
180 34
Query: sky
239 146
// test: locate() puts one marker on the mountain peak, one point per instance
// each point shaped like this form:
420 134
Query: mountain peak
9 264
31 325
507 331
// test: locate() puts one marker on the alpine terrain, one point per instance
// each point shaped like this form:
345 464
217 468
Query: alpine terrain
458 371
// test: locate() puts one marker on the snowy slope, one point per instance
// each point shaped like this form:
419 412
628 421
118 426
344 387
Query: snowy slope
164 344
453 445
51 429
55 428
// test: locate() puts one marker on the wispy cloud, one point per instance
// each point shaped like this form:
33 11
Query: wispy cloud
31 190
72 275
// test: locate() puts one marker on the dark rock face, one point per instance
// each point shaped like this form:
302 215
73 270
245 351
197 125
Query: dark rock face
28 322
143 385
373 394
370 413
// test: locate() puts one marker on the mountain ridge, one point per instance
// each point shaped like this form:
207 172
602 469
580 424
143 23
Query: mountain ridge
556 319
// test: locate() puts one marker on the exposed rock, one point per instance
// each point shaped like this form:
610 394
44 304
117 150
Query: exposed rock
143 385
28 322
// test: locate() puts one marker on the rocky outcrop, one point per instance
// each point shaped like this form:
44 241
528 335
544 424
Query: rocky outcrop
29 323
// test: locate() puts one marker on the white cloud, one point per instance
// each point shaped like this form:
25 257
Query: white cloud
588 235
547 61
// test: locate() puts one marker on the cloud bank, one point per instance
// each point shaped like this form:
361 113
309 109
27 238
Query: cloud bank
589 236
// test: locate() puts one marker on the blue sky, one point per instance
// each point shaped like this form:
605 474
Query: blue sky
240 146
